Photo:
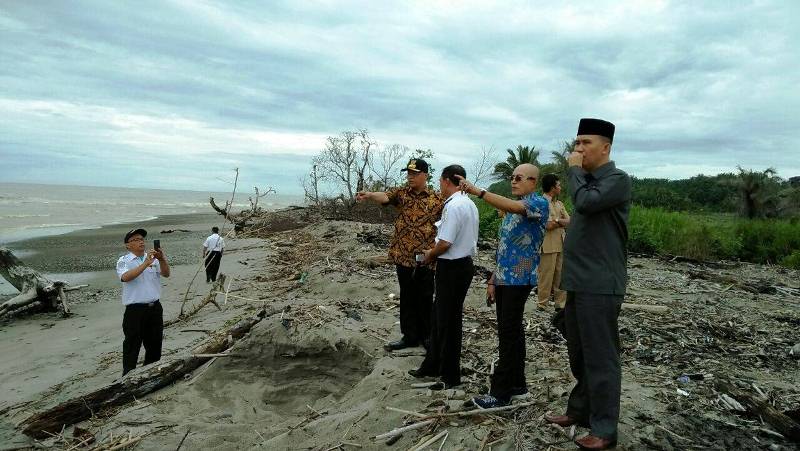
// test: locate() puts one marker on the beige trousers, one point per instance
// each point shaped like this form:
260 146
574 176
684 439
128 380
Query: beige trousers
549 273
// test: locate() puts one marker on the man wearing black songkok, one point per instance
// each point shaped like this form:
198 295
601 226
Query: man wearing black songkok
594 275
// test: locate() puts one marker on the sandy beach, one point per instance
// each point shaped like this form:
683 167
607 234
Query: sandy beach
85 349
313 375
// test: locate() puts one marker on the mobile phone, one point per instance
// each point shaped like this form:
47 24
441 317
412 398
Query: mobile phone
157 244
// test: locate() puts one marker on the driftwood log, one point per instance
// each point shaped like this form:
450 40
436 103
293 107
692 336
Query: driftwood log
33 286
757 287
758 408
645 307
135 384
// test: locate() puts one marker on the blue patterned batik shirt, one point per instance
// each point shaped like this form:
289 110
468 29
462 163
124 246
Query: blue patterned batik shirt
521 238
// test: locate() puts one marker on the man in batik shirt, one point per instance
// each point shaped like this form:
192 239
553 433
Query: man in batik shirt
414 231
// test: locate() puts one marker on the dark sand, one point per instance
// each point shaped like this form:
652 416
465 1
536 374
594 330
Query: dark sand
90 256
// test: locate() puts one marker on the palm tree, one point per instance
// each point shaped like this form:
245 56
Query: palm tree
561 160
524 154
756 191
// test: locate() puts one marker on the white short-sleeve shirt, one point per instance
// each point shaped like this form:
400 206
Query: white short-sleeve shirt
458 226
214 243
144 289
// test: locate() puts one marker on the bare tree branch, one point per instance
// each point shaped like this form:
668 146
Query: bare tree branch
484 165
384 162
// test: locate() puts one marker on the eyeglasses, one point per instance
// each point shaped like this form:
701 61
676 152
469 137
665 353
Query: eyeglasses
518 178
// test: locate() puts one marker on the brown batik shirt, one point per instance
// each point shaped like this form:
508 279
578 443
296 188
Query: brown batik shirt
414 228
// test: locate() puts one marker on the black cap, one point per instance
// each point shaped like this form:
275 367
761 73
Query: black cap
589 126
416 165
133 232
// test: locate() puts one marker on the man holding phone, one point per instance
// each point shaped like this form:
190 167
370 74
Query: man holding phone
143 323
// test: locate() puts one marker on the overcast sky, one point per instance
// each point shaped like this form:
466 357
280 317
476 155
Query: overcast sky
174 94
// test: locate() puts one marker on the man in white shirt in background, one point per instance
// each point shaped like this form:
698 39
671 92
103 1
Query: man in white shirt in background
456 243
143 322
212 254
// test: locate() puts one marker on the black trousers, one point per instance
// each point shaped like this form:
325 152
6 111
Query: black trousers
509 373
416 301
141 324
443 359
593 346
213 259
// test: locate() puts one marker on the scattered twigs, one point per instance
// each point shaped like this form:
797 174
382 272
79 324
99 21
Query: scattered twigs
407 412
431 441
364 415
758 408
403 429
183 439
209 299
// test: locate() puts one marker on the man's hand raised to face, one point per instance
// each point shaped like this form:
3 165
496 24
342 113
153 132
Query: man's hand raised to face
575 159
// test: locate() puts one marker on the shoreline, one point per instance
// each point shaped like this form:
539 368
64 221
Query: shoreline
93 253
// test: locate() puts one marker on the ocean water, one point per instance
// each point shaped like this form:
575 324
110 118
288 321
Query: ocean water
33 210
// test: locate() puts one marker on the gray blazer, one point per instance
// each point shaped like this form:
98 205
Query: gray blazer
595 252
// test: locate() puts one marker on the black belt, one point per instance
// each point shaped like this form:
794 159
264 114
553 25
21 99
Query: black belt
454 260
142 304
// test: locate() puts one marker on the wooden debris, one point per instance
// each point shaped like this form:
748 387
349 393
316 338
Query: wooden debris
401 430
645 308
135 384
758 408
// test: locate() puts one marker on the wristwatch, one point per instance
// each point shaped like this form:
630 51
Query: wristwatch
480 196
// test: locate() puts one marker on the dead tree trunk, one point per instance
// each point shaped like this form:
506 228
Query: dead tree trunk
135 384
33 286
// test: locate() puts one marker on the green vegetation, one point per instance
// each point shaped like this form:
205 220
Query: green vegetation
709 237
696 235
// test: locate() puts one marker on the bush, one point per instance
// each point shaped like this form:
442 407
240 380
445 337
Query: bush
792 261
707 237
488 219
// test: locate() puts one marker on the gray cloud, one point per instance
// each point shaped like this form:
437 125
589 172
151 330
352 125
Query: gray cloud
693 87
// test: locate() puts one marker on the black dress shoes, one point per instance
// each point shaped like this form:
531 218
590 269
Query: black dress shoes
399 344
419 373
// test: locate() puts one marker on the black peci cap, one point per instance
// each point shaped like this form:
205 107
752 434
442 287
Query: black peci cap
589 126
133 232
416 165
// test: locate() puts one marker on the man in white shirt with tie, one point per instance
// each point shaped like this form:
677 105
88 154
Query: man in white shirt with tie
212 254
456 243
143 323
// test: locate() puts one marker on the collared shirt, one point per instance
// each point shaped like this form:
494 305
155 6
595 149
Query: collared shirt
458 226
554 239
214 243
144 289
414 229
520 240
595 253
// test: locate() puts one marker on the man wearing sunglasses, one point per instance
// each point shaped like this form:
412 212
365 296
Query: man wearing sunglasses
594 276
521 236
143 323
414 231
